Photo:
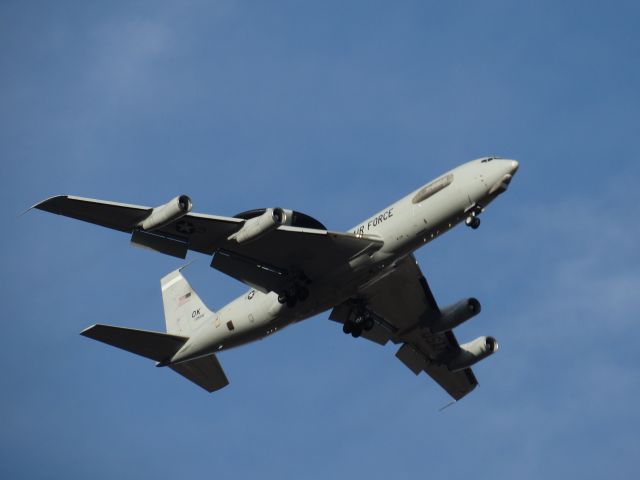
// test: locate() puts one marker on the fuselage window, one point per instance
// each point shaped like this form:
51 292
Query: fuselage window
433 188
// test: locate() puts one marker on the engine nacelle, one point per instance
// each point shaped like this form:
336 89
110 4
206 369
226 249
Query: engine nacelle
256 227
167 213
472 352
455 314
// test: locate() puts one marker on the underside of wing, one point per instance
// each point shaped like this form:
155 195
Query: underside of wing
301 250
193 231
291 254
404 311
119 216
456 384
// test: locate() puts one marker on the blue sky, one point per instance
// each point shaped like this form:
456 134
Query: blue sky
335 109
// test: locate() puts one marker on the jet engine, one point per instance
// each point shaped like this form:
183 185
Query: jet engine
472 352
256 227
455 314
167 213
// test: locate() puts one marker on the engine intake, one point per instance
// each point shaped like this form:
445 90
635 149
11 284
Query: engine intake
256 227
167 213
455 314
472 352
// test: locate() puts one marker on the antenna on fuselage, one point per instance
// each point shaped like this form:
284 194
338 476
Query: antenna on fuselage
186 265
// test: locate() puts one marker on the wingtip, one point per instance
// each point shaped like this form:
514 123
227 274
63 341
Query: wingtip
39 205
86 331
46 202
25 211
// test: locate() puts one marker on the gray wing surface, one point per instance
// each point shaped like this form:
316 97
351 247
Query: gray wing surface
195 231
269 263
404 307
287 253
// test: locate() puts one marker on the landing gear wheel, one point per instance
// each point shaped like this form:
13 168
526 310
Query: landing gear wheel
282 298
472 221
368 324
347 327
357 331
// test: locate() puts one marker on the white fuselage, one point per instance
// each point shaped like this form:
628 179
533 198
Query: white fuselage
411 222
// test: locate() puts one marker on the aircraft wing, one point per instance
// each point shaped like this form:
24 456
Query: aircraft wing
194 231
403 308
269 263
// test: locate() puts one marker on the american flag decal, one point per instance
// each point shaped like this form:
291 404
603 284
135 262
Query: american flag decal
184 299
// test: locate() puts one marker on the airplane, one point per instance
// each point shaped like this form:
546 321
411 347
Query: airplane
296 268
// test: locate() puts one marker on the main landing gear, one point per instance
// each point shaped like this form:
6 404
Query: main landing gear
362 322
472 220
292 297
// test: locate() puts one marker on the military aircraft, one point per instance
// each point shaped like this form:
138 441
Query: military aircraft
296 268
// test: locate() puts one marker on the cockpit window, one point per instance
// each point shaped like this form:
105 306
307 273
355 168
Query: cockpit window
488 159
432 188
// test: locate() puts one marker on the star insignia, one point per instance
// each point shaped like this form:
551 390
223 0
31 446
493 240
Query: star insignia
185 227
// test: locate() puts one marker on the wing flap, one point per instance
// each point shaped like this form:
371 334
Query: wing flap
413 360
160 243
254 273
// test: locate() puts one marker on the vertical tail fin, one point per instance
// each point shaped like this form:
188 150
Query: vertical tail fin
184 311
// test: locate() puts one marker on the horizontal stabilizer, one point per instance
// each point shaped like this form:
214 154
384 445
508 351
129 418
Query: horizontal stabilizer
154 345
205 372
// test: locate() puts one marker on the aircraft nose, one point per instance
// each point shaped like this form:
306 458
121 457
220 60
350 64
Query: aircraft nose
503 173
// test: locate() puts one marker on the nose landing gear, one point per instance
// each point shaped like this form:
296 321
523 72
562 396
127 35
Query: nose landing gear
472 220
